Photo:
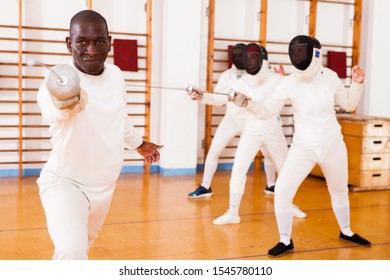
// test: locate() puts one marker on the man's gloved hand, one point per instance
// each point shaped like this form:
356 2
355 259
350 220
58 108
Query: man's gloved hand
240 99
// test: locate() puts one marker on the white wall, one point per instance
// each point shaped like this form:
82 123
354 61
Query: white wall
375 59
179 48
176 56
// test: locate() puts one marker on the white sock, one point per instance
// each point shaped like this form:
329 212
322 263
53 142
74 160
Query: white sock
340 206
284 219
210 167
270 172
234 202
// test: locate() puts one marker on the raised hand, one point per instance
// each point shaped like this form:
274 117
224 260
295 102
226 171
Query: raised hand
280 70
358 74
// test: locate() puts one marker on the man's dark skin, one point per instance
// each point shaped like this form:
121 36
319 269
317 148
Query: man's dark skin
89 42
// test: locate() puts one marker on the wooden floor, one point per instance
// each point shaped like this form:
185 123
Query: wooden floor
158 222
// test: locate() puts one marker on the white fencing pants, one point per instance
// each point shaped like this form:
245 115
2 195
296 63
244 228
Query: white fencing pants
247 149
74 216
226 131
300 161
269 168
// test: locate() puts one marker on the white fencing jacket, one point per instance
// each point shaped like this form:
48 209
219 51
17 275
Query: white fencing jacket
88 143
313 105
259 91
231 78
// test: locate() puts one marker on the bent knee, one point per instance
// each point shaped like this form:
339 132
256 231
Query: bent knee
282 200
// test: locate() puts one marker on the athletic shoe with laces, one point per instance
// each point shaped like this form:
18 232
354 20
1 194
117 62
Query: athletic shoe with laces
227 218
356 239
269 190
298 213
201 192
280 249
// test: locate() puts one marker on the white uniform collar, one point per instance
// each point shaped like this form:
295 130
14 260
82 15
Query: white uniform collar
312 70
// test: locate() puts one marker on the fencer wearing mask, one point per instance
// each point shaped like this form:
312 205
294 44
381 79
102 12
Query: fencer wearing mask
265 135
313 92
234 119
269 167
231 124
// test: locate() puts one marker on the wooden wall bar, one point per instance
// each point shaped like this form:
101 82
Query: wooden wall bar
24 140
215 52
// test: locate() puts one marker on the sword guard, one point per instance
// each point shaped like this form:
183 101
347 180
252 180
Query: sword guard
189 88
231 94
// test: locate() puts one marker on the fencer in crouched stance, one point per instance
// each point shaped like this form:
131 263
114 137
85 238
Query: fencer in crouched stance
313 92
90 129
232 123
265 135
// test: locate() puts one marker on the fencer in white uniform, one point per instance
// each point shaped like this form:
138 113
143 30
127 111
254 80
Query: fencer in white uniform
88 137
313 92
231 124
265 135
269 167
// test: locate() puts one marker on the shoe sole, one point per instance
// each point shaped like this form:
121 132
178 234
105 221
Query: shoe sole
200 196
226 223
231 223
300 216
286 252
369 245
269 192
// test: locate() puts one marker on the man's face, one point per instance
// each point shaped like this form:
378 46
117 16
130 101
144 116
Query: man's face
90 44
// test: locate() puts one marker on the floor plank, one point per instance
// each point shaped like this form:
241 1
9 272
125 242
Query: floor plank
158 222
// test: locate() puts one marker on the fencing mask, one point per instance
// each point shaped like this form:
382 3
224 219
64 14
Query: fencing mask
237 56
253 58
305 55
264 53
